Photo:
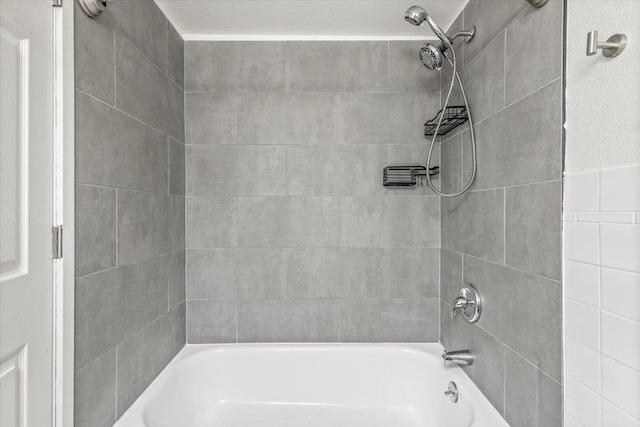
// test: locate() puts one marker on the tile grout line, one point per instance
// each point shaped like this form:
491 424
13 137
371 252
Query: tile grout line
115 73
504 226
115 404
113 107
117 234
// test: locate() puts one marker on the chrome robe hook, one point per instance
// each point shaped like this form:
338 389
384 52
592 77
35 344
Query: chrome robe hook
611 48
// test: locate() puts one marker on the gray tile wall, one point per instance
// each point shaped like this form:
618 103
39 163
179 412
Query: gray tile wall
290 234
130 206
505 234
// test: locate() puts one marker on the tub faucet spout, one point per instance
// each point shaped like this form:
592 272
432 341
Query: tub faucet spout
458 357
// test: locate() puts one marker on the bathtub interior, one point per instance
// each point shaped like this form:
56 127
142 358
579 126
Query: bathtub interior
296 386
306 385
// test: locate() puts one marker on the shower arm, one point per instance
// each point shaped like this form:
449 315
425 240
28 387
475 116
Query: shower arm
467 34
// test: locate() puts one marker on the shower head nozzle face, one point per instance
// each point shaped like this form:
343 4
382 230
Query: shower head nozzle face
415 15
431 56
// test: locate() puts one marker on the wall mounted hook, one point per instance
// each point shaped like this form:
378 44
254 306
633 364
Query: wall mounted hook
611 48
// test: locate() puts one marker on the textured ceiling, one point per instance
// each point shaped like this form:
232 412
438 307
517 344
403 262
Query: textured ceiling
303 19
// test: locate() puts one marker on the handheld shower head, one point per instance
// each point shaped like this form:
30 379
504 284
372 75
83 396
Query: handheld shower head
416 15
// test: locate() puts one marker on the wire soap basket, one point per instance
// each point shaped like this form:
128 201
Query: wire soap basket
452 118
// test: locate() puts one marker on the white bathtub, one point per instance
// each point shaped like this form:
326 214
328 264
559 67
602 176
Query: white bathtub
318 385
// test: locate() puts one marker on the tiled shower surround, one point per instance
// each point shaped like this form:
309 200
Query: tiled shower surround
290 234
505 234
129 304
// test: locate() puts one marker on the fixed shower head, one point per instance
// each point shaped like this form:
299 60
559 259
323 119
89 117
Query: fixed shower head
416 15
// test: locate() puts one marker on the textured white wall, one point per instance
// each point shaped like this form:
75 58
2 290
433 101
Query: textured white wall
603 94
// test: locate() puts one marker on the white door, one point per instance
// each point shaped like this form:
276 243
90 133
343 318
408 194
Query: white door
26 215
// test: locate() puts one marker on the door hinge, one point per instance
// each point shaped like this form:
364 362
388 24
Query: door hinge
57 3
57 241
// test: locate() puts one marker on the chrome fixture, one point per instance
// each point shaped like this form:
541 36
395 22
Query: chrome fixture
452 392
431 56
93 8
458 357
469 303
537 3
611 48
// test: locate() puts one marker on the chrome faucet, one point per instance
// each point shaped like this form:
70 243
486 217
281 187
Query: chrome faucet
460 303
458 357
468 303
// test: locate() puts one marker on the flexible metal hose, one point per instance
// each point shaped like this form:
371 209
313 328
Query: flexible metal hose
454 76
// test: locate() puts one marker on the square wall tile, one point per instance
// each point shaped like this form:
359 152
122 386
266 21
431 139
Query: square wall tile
614 416
94 401
621 386
621 293
582 242
144 24
474 224
143 356
531 397
286 222
619 189
582 323
524 154
534 331
620 246
386 118
537 58
488 369
490 19
114 150
176 167
583 364
621 339
211 222
336 272
145 92
211 118
94 53
582 403
389 320
336 66
311 320
413 273
582 282
233 66
233 170
288 118
484 80
236 273
148 225
450 275
337 170
211 321
95 229
533 227
581 192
